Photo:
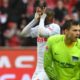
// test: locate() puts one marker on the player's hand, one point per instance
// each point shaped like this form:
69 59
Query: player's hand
44 13
39 11
36 16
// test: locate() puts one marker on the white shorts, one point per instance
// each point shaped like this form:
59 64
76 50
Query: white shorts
40 76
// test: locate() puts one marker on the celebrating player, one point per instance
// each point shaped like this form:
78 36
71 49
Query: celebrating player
42 31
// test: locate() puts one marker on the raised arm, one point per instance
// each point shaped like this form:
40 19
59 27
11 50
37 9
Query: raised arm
27 28
50 28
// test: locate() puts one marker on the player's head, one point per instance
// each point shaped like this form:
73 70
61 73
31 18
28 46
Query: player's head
50 15
72 30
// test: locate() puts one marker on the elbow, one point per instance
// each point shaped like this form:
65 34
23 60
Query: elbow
22 34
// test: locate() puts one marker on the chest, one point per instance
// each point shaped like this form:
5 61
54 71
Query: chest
64 54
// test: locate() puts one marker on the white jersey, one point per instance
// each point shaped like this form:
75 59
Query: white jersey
42 33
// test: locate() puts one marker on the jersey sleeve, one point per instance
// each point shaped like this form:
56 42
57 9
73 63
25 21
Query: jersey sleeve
48 62
29 30
33 32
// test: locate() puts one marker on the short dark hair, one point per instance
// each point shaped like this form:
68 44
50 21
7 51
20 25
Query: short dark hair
49 12
38 4
69 23
50 16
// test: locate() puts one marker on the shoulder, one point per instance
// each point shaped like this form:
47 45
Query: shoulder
55 38
54 25
78 43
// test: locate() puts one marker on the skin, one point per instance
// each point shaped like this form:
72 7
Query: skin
72 34
41 11
60 4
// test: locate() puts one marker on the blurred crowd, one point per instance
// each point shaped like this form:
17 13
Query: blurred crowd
16 14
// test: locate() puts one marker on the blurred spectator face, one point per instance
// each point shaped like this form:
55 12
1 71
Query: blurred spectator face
24 1
12 25
75 16
60 4
5 3
3 18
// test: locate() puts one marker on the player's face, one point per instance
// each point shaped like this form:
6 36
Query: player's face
39 11
49 19
73 33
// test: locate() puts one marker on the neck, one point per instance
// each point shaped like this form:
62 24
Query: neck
68 42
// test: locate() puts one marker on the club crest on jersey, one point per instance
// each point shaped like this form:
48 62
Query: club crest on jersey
75 58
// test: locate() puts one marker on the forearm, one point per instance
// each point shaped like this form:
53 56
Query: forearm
42 24
27 28
41 28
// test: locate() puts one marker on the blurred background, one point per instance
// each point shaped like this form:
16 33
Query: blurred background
16 14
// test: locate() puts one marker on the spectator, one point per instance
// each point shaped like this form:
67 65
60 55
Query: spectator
4 13
12 35
60 11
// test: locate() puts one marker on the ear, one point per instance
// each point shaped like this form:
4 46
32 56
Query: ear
66 31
